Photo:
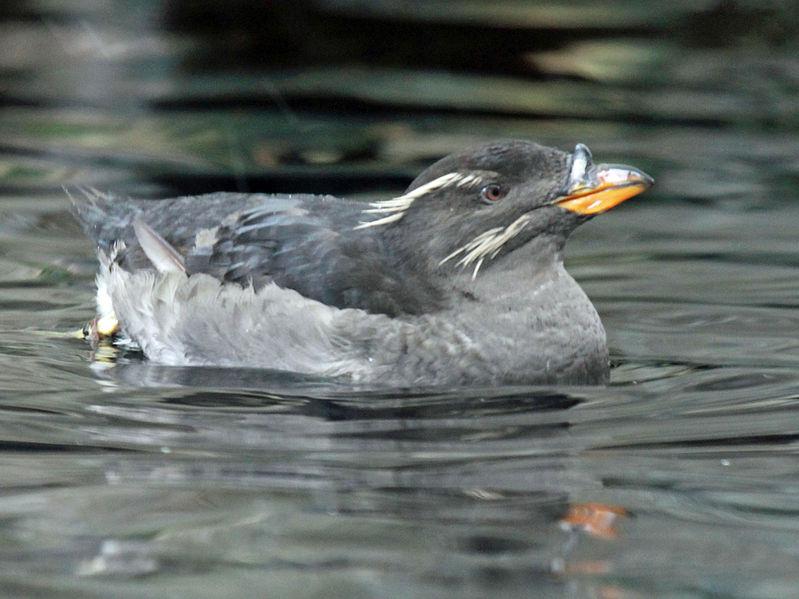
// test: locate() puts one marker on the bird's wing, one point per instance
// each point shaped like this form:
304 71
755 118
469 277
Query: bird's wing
306 243
107 219
314 248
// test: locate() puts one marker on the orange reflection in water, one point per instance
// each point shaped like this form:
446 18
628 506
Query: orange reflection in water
595 519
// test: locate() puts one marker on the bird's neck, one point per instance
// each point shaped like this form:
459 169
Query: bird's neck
540 302
518 274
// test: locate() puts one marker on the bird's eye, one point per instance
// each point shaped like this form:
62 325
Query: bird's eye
492 193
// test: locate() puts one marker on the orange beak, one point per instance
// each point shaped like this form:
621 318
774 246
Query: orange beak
596 189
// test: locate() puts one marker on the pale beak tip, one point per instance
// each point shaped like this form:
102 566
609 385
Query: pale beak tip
642 178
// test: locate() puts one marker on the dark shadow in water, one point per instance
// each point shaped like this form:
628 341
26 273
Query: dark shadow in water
252 388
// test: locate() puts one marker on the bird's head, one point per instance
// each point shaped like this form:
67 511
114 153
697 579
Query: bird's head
469 210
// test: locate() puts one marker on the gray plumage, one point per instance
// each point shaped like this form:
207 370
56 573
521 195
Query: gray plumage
373 292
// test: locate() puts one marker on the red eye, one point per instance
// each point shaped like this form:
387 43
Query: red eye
492 193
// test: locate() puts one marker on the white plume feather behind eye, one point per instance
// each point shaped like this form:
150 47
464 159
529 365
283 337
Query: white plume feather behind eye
487 245
395 208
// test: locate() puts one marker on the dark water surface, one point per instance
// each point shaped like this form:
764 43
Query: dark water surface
122 479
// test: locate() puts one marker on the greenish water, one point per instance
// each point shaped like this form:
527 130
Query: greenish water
123 479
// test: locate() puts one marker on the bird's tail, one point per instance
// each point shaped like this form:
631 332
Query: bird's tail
104 217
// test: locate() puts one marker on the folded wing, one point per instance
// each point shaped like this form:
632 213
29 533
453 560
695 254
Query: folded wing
305 243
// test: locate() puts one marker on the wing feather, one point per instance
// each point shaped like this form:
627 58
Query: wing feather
164 257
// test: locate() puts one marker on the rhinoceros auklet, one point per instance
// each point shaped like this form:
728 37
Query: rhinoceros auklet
459 280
